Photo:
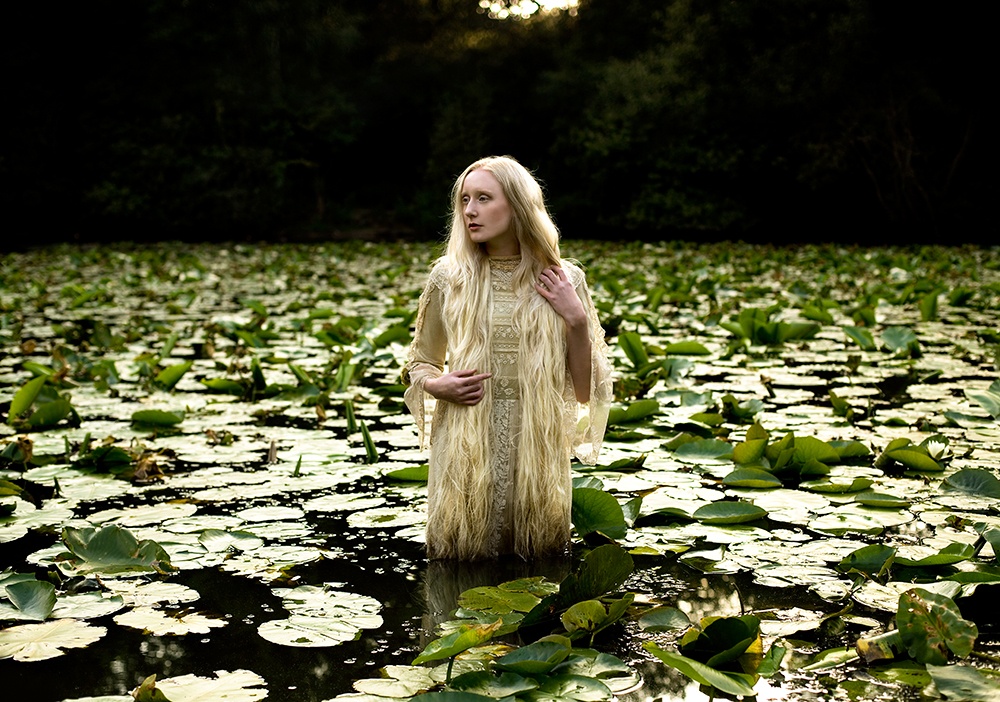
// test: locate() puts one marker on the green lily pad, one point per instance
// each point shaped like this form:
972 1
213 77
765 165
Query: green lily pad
534 659
963 683
664 619
597 511
729 513
974 481
752 478
157 418
869 498
931 625
730 683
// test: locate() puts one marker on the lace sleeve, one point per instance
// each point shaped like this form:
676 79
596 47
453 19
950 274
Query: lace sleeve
591 419
426 357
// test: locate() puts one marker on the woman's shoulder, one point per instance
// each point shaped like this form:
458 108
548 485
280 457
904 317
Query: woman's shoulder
441 271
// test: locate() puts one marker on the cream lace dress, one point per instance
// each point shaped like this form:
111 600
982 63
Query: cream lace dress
485 495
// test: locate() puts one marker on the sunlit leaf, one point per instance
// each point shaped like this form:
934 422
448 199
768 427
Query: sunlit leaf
461 640
537 658
236 685
873 560
870 498
965 683
414 474
170 376
711 450
663 619
399 682
931 625
160 623
25 397
596 510
915 460
112 549
157 418
730 683
572 687
39 642
687 348
725 512
482 682
33 598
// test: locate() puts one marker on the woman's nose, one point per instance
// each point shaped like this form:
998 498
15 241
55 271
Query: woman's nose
470 207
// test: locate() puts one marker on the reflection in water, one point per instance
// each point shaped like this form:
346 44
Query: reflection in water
445 580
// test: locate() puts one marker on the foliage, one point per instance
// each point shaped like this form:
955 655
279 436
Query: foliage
268 488
683 117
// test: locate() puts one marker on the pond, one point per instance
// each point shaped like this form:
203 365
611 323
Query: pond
208 475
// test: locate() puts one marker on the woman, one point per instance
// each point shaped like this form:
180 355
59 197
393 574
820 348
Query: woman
528 380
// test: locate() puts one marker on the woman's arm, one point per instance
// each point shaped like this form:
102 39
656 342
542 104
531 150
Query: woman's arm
554 285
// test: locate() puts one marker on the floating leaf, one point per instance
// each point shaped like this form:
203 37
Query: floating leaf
537 658
113 549
836 487
160 623
457 642
965 683
634 412
949 555
751 478
915 460
35 599
236 685
482 682
686 348
25 397
663 619
400 681
872 561
988 399
39 642
974 481
706 450
49 414
861 336
730 683
410 474
597 511
869 498
170 376
931 625
157 418
725 512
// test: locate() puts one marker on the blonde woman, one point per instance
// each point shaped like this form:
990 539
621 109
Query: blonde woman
509 369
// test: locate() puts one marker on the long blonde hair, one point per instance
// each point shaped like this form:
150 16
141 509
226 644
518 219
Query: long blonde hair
541 358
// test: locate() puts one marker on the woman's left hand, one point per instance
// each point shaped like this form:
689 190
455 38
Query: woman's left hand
554 285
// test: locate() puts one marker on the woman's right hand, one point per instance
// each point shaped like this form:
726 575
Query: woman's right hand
462 387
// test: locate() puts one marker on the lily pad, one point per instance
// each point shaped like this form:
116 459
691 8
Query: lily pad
729 513
39 642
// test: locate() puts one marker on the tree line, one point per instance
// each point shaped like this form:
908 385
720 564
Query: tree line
769 119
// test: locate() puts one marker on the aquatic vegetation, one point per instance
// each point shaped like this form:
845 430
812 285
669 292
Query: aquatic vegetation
209 449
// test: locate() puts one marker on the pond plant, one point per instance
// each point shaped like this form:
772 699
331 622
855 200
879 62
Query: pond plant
209 488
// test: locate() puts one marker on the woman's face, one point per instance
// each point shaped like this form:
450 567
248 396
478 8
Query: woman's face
487 214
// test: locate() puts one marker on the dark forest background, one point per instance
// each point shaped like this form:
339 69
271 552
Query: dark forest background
763 120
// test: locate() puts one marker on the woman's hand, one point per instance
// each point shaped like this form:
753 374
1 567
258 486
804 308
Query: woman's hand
553 284
462 387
